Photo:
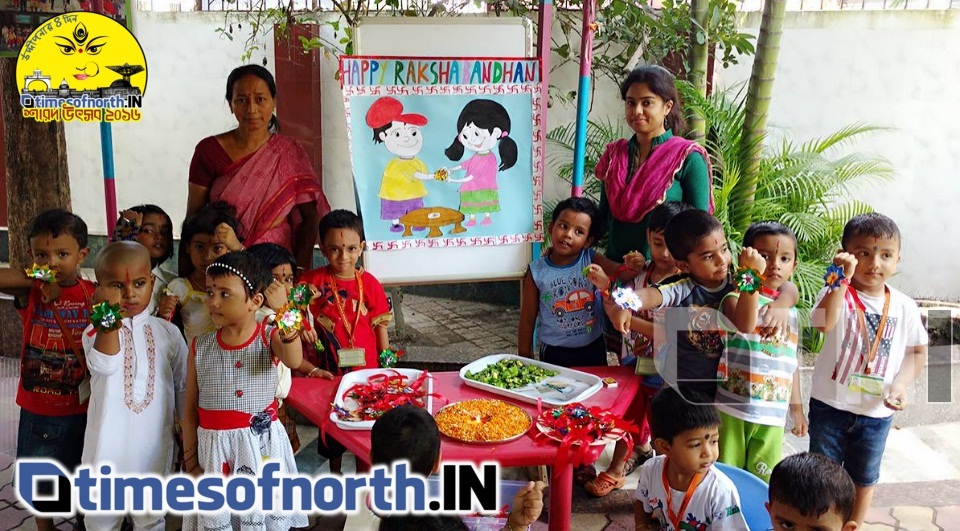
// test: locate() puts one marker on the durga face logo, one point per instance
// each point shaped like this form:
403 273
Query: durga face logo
78 43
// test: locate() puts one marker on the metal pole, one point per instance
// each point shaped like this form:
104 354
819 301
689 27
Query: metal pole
583 97
109 186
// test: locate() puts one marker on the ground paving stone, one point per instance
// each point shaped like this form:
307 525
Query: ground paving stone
880 516
915 518
948 517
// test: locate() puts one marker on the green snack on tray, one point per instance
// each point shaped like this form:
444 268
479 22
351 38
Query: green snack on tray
510 374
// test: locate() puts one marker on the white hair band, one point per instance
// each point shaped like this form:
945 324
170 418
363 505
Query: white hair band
233 270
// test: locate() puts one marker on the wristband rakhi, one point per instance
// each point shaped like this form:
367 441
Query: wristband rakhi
834 278
106 317
627 299
388 358
381 393
577 427
42 273
749 280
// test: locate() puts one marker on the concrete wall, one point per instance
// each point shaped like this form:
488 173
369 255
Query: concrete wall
894 69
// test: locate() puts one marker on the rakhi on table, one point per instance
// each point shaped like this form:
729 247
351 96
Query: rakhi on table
577 425
381 393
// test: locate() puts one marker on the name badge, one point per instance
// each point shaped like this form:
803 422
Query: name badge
867 384
352 357
85 390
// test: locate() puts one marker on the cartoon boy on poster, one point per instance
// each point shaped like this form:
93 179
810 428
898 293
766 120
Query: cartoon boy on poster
401 188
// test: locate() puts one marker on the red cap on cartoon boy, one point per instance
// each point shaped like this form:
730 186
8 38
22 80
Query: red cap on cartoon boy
387 110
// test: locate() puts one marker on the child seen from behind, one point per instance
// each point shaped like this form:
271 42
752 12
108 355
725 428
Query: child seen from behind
230 419
680 488
809 492
875 348
138 379
759 375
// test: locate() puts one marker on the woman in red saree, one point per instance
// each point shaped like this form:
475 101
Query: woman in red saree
268 177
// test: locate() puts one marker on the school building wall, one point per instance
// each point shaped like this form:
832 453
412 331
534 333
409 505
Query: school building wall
888 68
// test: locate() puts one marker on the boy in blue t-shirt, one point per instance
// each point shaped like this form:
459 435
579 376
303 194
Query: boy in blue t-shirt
558 297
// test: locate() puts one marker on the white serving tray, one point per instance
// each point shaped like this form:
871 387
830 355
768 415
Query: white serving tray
361 376
567 387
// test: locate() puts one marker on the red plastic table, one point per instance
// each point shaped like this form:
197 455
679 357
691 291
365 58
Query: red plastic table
312 398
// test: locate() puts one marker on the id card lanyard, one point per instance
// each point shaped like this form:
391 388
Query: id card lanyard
341 306
687 496
860 308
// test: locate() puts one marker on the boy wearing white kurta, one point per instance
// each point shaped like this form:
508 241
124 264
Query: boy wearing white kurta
138 380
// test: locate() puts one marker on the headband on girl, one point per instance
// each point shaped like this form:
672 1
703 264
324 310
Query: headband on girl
233 270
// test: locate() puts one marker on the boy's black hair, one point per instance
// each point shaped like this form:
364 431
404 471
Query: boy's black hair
340 219
584 205
168 234
872 224
661 215
768 228
406 432
379 130
58 221
251 267
273 255
813 484
671 414
684 231
204 221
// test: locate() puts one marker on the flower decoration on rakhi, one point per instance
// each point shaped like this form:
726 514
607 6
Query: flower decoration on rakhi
834 278
289 319
748 280
441 175
381 393
388 358
41 273
300 296
627 299
106 317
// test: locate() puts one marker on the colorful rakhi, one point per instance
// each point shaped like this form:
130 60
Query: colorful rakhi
289 319
300 296
441 175
388 358
42 273
834 278
577 427
627 299
106 317
749 280
381 393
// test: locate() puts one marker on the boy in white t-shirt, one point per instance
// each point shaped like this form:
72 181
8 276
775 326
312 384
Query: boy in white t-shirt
680 484
875 348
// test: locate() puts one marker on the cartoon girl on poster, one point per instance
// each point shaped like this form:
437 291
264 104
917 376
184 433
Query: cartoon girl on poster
483 124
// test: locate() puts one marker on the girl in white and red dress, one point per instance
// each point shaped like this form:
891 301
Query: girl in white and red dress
230 423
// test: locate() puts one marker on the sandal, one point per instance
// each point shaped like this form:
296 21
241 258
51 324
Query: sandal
635 460
584 474
604 484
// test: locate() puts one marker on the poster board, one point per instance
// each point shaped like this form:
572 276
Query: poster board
447 37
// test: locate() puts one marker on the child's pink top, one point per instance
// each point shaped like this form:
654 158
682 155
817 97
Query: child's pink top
484 171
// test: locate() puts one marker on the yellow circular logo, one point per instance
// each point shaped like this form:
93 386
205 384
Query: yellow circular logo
81 66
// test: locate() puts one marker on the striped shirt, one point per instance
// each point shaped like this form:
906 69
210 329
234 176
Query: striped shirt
756 373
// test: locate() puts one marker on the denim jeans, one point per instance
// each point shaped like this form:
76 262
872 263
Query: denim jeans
854 441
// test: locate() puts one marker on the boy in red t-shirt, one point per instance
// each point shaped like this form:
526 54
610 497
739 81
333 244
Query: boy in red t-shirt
350 309
53 388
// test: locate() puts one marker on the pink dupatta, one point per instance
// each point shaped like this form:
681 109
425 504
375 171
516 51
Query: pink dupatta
631 202
266 187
